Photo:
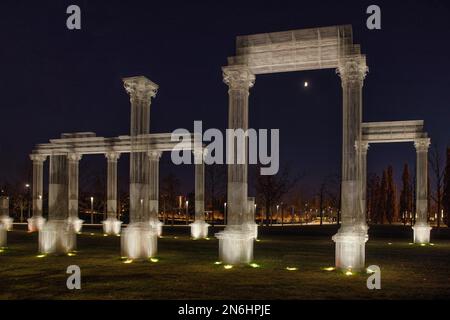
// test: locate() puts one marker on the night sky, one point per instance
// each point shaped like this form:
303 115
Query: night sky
54 80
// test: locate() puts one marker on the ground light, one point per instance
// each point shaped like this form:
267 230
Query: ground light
71 254
291 269
218 262
348 273
228 266
154 260
329 269
128 261
254 265
41 256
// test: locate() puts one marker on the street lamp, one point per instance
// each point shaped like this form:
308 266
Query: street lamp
225 213
92 210
187 211
27 186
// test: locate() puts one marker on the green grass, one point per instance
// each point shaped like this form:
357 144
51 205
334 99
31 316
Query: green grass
186 270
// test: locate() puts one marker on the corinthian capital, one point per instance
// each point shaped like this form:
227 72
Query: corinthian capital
238 77
140 88
422 145
112 156
352 69
37 157
74 156
154 155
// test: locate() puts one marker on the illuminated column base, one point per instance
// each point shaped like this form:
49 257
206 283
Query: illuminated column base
36 223
57 237
199 229
111 226
350 250
253 228
3 234
157 226
77 224
422 233
7 222
139 241
235 245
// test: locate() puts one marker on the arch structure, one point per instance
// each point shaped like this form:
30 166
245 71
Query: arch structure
301 50
139 238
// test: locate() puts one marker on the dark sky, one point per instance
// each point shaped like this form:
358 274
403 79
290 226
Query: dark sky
54 80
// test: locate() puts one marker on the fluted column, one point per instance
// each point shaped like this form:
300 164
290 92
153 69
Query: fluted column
57 235
352 236
153 164
111 226
36 222
362 149
73 176
139 240
199 229
236 242
421 227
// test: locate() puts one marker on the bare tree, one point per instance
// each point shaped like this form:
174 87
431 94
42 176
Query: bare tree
438 171
271 189
215 185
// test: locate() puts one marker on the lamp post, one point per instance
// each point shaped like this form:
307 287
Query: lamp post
225 213
92 210
271 220
187 212
27 186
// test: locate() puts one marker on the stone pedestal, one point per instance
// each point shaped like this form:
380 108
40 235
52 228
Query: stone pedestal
111 226
157 226
253 228
350 250
57 237
199 229
235 245
3 234
422 233
139 241
7 222
36 223
77 224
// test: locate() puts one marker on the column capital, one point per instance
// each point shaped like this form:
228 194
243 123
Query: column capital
154 155
238 77
112 156
73 156
140 87
362 146
352 69
422 144
38 157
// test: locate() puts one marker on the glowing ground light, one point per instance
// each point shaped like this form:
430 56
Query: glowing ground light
105 235
71 254
291 269
254 265
432 244
92 234
257 240
207 239
410 244
1 250
41 256
128 261
349 273
329 269
154 260
228 266
422 244
218 262
390 244
175 237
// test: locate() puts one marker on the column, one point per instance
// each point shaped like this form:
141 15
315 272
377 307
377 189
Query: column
57 236
139 240
153 163
111 226
73 176
421 228
5 219
362 149
352 236
250 223
199 229
235 242
36 222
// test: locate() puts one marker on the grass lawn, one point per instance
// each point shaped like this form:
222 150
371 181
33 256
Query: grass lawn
186 269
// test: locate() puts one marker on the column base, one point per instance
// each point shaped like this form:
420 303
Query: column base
57 237
3 235
199 229
422 233
253 228
77 224
111 226
235 245
139 241
157 226
7 222
35 224
350 250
